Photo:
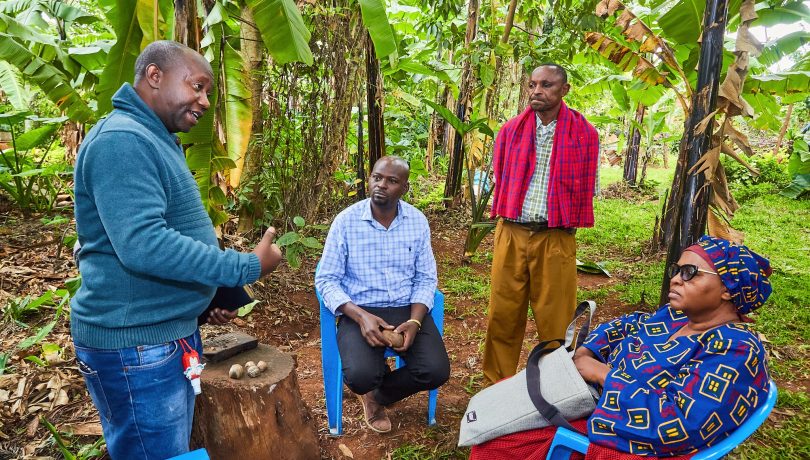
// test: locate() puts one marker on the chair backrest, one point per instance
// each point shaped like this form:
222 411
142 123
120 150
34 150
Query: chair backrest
744 431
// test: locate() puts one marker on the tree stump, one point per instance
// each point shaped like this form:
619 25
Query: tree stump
254 418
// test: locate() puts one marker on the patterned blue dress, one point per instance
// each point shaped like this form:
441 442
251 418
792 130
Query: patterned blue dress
673 397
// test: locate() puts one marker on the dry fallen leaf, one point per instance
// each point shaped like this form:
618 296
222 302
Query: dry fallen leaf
82 429
345 450
32 426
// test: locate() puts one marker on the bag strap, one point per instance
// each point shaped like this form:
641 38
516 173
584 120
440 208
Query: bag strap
547 411
585 306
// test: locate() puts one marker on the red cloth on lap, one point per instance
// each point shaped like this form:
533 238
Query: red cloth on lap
534 445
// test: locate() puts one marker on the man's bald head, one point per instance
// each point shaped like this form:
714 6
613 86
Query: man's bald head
388 182
396 162
166 54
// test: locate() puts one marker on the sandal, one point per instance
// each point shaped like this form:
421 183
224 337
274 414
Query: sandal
378 422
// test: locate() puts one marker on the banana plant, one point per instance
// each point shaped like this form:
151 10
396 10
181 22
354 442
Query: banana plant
479 183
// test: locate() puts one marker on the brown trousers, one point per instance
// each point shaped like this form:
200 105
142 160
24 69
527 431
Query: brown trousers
537 268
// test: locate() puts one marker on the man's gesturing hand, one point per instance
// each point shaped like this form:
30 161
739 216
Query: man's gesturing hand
268 253
220 316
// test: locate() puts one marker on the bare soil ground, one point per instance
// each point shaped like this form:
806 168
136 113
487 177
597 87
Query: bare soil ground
32 261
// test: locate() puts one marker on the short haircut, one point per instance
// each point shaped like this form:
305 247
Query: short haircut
395 160
163 53
557 68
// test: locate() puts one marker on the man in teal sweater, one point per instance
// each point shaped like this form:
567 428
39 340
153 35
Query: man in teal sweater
150 260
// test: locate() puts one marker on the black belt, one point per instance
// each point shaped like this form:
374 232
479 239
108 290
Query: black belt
533 226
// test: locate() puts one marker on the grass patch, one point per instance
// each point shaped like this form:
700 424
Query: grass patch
620 230
783 436
421 452
776 227
464 282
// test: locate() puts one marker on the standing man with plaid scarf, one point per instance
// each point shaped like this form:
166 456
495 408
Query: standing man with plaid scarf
545 170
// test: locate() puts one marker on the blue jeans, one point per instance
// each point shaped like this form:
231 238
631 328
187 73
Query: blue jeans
145 403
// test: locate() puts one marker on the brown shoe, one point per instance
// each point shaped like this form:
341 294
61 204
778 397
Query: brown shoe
374 414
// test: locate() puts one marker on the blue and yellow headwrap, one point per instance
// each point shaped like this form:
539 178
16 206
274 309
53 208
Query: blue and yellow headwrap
743 272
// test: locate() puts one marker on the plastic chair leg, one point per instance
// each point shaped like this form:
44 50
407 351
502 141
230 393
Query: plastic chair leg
433 395
332 375
199 454
565 443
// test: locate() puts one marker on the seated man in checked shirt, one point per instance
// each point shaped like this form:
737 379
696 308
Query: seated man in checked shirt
378 272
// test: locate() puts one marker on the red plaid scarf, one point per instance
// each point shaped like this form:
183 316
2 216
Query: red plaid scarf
574 160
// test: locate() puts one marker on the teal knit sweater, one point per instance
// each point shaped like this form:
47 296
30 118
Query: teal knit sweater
150 260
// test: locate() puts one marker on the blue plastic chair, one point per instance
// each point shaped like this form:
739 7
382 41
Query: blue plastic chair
333 367
199 454
566 441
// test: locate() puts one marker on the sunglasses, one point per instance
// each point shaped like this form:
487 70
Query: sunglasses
687 271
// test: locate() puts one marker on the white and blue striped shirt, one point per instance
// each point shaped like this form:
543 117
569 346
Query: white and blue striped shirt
373 266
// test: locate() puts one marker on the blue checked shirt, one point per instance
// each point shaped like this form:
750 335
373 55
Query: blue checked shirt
365 263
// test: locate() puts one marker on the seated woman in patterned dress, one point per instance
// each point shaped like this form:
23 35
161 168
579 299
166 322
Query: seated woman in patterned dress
682 378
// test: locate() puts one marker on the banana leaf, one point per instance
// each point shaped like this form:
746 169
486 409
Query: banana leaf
156 20
53 82
13 87
238 116
800 186
626 59
595 268
376 21
120 66
792 86
283 30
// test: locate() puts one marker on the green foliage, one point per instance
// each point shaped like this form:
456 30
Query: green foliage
69 449
296 244
463 282
17 309
376 20
421 452
31 182
43 331
120 64
54 83
461 127
427 194
799 168
771 169
282 29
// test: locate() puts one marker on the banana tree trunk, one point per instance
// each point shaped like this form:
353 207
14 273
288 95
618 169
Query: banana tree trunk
252 55
631 158
492 92
374 100
689 200
782 131
361 164
186 24
452 184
